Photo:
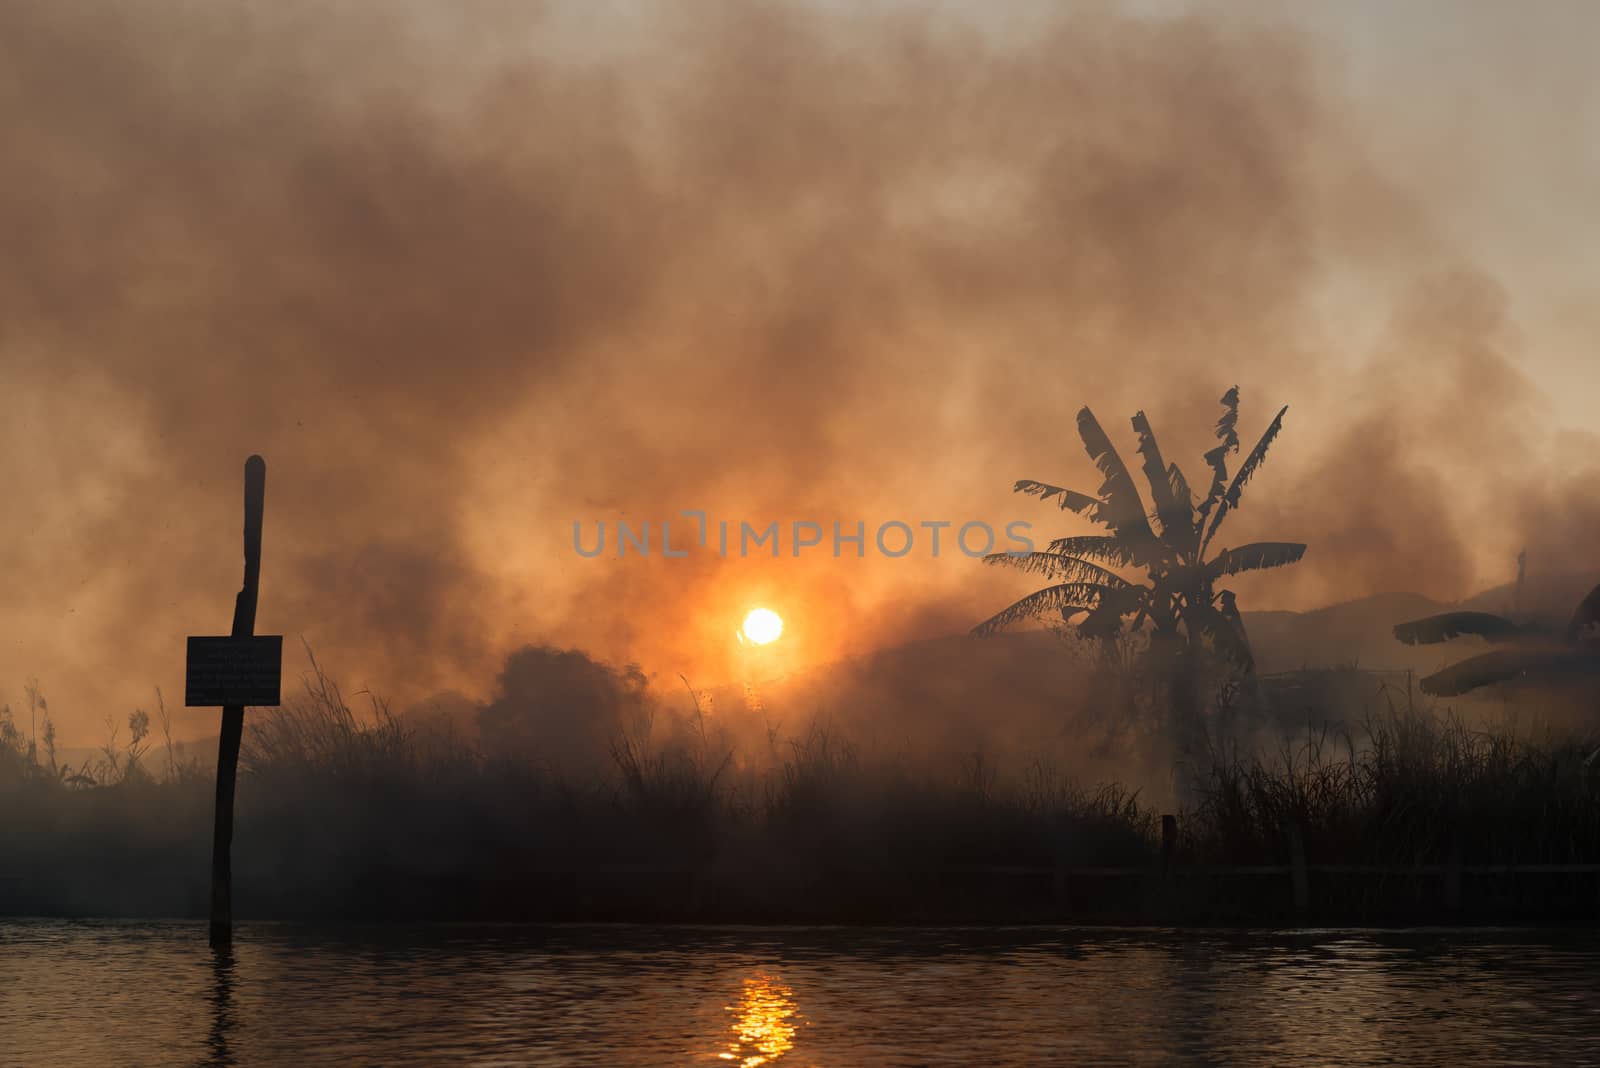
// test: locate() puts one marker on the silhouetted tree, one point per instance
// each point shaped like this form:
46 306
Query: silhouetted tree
1541 653
562 706
1170 542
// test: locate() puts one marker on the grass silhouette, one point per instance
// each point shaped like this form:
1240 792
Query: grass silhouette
353 816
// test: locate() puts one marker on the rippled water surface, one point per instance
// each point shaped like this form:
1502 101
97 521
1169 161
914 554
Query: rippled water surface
154 994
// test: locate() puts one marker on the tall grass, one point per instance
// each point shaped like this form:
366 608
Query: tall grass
353 812
1412 787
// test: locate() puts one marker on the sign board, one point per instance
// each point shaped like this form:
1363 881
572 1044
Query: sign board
233 671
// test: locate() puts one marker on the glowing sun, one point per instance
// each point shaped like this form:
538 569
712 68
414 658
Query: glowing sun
762 626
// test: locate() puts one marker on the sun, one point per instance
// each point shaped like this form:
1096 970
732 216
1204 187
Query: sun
762 626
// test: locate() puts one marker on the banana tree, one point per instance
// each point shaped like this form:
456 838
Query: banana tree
1532 650
1170 542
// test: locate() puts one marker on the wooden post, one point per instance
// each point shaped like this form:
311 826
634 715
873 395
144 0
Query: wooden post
1169 854
244 625
1297 869
1452 875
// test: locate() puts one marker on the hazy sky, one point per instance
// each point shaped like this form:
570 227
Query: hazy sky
466 276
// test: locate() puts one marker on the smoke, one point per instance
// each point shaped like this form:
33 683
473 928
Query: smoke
464 278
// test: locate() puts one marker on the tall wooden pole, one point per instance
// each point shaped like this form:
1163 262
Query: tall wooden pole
244 625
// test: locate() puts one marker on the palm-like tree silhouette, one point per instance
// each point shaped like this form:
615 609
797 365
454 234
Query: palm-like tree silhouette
1535 651
1180 599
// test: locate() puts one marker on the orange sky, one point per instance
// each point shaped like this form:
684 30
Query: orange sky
465 280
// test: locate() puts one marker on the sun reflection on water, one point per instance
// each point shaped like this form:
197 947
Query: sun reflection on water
764 1022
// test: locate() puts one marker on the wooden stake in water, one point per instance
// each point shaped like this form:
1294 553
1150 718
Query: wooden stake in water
1298 874
244 624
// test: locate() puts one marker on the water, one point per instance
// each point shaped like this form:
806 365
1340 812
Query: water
154 994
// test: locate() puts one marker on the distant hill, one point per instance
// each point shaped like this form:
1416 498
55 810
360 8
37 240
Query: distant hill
1359 632
1550 598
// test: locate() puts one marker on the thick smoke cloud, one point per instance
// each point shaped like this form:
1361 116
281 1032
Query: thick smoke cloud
466 277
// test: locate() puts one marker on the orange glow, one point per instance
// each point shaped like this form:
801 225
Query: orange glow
762 1026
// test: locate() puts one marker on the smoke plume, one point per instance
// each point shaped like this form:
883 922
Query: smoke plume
465 277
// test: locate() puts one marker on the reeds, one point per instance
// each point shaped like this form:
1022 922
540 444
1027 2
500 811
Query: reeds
357 814
1410 787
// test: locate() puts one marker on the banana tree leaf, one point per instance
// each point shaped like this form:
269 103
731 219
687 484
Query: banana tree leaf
1058 566
1105 549
1441 628
1587 615
1083 596
1228 439
1183 495
1105 621
1505 665
1257 556
1071 500
1121 507
1247 471
1176 517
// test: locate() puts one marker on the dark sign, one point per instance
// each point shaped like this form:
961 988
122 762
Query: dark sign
234 671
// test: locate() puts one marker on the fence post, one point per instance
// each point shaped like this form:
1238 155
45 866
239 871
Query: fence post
1297 869
1452 875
